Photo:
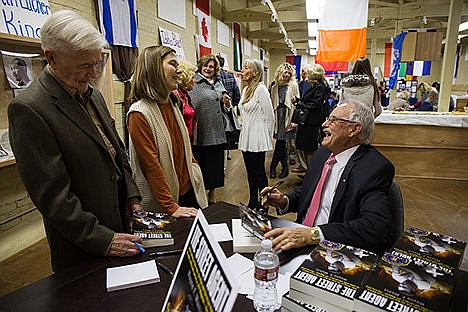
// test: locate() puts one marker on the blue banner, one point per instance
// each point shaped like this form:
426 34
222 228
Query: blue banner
396 55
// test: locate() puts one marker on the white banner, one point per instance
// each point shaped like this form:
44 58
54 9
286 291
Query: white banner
24 18
173 40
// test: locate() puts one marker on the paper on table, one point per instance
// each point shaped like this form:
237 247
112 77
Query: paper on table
221 232
239 264
132 275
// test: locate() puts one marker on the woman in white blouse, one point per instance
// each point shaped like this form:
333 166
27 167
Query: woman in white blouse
256 135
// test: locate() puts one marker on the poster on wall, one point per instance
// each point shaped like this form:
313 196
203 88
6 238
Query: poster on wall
166 11
223 33
173 40
24 18
18 69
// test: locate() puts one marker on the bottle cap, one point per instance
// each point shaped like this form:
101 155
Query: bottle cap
266 244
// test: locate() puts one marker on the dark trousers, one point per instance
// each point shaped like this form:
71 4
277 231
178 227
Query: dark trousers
280 154
255 166
188 200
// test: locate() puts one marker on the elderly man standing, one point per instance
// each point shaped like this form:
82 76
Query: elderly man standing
68 152
344 194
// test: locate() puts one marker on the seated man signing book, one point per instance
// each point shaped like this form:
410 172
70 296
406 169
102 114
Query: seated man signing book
344 194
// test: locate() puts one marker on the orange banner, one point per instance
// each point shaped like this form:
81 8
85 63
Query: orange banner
341 45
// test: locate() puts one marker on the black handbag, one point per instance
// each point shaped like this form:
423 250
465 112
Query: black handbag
300 115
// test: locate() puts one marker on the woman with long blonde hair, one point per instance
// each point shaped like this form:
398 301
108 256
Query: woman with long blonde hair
283 90
256 134
161 158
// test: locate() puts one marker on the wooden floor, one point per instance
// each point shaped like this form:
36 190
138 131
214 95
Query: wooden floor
421 210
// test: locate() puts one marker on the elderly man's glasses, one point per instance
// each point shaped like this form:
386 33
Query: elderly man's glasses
333 119
97 66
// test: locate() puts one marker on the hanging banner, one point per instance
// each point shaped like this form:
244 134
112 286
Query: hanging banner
24 18
173 40
237 47
387 59
204 27
342 36
118 22
396 54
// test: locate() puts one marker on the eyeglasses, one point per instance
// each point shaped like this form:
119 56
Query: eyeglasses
98 67
333 119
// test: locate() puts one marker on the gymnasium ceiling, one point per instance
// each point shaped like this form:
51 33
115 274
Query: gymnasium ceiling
390 17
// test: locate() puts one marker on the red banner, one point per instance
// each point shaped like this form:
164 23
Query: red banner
387 59
204 27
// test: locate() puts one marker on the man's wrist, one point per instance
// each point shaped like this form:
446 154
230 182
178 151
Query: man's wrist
315 235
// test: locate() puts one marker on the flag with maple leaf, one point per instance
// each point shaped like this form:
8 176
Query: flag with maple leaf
204 26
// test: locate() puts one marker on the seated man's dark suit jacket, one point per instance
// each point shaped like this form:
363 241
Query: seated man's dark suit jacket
360 214
68 172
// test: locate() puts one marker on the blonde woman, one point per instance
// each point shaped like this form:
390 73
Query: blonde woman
186 81
283 90
256 134
160 151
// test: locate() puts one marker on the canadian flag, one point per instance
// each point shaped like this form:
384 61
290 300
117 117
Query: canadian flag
204 26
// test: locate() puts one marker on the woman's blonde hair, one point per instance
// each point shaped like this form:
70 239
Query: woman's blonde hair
281 69
205 59
187 70
257 79
148 80
316 73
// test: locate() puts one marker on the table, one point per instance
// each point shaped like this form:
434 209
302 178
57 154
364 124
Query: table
83 288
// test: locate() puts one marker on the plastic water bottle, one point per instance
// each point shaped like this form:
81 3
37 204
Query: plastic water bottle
266 275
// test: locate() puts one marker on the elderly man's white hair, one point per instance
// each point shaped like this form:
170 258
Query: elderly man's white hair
66 32
362 114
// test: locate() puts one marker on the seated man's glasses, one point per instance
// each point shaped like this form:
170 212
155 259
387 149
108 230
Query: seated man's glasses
333 119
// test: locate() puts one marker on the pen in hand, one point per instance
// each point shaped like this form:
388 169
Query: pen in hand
139 247
273 187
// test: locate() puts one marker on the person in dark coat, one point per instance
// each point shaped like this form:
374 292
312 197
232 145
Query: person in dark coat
353 207
78 176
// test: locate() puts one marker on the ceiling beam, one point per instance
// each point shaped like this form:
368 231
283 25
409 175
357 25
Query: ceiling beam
245 16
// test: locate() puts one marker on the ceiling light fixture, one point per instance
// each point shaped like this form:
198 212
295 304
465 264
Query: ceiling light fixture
424 20
372 22
274 19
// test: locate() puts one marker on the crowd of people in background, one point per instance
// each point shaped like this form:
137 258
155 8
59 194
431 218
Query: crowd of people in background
181 124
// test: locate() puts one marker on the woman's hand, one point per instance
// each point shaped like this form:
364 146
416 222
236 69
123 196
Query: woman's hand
226 100
185 212
289 238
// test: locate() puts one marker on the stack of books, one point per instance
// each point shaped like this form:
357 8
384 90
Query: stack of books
331 276
417 274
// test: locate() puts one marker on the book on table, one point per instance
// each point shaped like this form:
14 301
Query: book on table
248 231
401 282
132 275
254 222
153 228
289 304
439 248
331 276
